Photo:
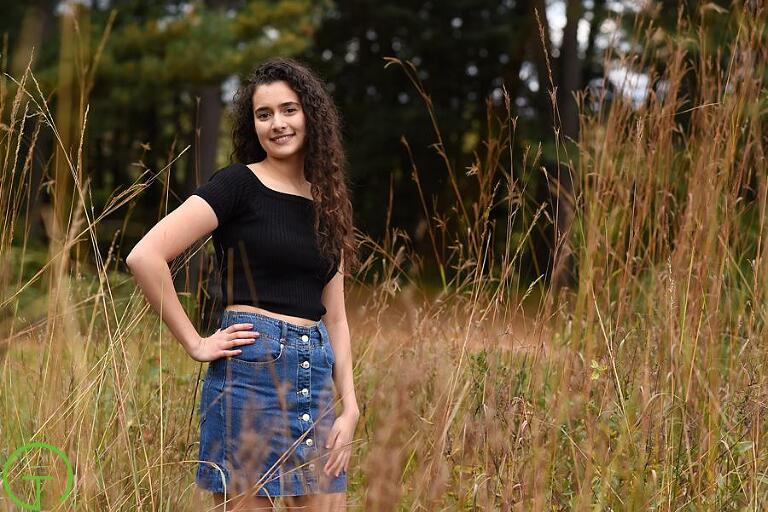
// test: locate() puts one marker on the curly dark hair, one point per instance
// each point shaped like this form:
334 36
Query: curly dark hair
324 159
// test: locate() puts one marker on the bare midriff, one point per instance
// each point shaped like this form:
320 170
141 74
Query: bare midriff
288 318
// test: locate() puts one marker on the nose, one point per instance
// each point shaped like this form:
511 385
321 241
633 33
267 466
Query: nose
278 123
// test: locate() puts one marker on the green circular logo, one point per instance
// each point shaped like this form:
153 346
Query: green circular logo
37 480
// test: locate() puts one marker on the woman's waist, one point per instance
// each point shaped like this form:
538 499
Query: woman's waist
296 320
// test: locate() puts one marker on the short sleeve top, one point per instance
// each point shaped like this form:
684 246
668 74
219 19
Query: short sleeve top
265 245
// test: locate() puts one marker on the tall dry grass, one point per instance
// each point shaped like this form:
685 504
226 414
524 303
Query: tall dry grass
641 387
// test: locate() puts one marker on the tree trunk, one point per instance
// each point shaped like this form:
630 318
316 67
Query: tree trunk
511 71
570 81
200 166
37 30
570 71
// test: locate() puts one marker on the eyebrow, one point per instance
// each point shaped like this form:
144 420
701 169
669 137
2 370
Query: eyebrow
283 104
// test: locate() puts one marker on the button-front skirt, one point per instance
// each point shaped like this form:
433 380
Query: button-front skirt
265 414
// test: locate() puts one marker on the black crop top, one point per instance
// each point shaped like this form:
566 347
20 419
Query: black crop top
265 245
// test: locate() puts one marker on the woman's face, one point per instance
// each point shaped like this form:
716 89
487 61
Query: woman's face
278 119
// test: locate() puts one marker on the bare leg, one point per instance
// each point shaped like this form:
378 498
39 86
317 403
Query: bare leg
330 502
241 503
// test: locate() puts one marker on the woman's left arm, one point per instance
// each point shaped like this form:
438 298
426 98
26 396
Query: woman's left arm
335 320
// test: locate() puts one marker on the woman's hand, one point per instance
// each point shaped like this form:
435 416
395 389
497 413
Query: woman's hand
221 343
340 443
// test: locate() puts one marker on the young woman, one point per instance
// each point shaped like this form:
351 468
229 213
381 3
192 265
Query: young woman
281 221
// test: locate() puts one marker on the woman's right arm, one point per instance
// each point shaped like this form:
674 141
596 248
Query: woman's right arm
148 262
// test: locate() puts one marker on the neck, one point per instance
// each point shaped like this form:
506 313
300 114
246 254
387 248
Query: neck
291 168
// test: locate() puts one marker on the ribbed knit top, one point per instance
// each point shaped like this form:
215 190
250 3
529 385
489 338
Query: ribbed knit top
265 245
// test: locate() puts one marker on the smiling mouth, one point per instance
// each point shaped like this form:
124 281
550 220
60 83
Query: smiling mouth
282 138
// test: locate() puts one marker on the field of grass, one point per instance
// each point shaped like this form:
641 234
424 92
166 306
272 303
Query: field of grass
642 386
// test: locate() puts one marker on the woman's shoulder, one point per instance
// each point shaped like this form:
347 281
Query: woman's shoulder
231 175
234 169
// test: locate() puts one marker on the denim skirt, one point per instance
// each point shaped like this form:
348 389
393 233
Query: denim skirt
265 414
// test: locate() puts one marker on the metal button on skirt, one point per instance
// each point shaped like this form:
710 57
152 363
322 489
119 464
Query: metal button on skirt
266 413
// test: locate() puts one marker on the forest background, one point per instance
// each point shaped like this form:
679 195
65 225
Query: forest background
160 75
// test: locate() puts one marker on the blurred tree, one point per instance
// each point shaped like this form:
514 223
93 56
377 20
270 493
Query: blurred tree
31 25
457 46
464 51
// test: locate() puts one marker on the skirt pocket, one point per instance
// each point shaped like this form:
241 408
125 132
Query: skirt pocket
265 350
330 357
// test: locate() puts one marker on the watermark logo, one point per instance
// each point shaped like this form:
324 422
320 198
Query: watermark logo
37 477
